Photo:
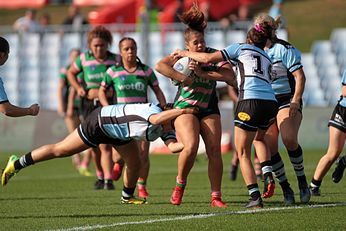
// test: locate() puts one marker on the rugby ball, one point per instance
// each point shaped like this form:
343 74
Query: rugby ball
182 66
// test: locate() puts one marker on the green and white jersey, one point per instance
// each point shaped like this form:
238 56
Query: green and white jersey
94 70
130 87
200 92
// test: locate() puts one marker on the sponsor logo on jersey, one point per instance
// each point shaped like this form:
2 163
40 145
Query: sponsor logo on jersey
244 116
132 86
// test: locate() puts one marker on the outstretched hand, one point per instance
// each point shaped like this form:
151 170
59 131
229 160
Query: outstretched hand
34 109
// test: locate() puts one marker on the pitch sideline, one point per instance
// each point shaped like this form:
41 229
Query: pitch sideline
198 216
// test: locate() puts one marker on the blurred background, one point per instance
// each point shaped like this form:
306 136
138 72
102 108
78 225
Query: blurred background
53 27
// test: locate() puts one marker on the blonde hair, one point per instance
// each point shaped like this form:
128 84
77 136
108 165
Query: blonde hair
264 18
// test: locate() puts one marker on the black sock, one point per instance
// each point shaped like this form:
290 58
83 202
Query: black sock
23 161
128 192
254 192
316 183
284 185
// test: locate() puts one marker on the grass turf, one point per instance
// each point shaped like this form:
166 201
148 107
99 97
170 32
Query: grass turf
52 195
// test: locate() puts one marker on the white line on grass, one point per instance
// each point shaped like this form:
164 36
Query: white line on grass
198 216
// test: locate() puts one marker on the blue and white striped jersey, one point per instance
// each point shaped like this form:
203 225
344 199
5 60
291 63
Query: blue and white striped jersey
343 82
3 96
254 71
286 59
131 121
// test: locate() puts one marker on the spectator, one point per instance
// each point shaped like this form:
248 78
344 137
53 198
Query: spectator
74 18
27 23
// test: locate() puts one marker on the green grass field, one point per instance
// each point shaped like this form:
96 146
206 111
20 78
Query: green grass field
52 196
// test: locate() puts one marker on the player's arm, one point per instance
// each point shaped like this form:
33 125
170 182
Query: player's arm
299 90
72 78
166 116
159 95
224 73
201 57
165 67
103 96
13 111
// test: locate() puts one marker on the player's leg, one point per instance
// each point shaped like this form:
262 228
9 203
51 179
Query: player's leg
187 128
335 147
70 145
289 127
271 138
130 154
144 170
211 134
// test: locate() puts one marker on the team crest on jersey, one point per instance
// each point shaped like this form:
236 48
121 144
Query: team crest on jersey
93 67
122 77
244 116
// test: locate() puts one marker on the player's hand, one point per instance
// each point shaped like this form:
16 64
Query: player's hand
177 54
294 107
34 109
81 92
191 110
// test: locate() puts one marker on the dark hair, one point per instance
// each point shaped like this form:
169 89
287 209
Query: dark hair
4 45
126 38
259 34
100 32
194 19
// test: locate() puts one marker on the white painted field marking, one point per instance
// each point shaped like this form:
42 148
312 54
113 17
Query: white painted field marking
198 216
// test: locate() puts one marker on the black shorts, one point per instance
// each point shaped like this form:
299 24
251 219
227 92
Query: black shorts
284 101
92 134
338 119
213 107
253 114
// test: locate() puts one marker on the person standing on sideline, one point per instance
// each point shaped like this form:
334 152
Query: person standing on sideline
27 23
94 63
337 135
131 81
68 108
288 85
119 125
6 107
200 92
257 106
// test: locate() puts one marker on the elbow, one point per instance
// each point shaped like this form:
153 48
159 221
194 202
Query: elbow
158 67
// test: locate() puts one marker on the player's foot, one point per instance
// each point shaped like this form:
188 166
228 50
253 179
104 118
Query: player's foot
315 191
288 196
133 201
339 170
305 194
142 192
99 184
108 185
217 202
257 203
9 170
117 171
84 171
177 195
269 187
